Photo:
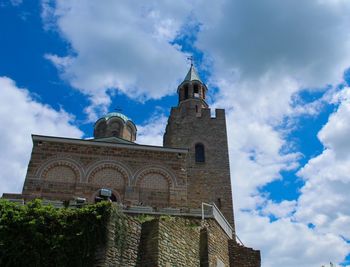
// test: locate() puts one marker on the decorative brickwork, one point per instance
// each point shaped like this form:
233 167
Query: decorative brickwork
60 174
156 172
107 177
135 174
60 171
154 190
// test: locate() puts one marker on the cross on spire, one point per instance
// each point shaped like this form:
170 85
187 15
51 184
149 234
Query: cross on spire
191 59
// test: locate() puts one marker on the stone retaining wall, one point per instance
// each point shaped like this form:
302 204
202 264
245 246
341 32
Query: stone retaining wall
169 241
242 256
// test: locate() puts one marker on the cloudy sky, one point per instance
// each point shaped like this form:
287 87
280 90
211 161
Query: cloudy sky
279 68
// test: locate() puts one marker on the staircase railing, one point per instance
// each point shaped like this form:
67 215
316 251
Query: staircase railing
219 217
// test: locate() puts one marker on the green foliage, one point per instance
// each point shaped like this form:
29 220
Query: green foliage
119 219
166 218
194 225
37 235
144 218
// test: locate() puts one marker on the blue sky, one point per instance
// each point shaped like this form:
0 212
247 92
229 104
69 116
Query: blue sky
279 68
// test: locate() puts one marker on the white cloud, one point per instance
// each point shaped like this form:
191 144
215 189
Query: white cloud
306 41
324 201
151 132
289 244
256 146
21 116
256 160
122 45
335 134
283 209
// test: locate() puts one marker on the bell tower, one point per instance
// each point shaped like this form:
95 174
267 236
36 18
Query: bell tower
192 90
190 125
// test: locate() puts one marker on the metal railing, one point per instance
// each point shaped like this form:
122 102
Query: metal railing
219 217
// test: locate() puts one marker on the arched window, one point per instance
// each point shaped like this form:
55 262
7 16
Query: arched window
195 91
200 155
186 91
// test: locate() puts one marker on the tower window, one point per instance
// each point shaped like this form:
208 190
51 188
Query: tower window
219 203
195 91
186 91
199 150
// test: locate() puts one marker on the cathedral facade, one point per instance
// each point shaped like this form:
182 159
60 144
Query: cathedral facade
191 168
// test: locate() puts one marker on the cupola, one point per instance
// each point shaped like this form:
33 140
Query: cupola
115 124
192 87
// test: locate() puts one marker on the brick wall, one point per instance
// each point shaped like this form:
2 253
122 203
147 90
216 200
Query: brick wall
67 168
208 181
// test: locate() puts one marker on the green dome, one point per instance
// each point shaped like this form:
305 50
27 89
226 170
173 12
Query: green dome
115 124
116 114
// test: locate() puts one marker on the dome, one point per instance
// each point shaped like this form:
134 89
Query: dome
116 114
115 124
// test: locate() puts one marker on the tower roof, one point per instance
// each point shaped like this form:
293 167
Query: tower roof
192 75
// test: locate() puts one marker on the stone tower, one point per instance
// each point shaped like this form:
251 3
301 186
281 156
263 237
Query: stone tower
191 126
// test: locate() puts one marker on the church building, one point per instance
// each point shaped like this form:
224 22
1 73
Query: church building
189 171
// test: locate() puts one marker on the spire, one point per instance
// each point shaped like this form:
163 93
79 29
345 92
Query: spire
192 74
192 87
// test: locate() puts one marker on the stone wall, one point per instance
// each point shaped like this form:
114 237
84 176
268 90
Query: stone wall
178 242
148 251
217 244
63 169
243 256
169 241
123 239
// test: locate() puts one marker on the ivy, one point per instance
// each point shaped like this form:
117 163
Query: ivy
120 231
38 235
142 218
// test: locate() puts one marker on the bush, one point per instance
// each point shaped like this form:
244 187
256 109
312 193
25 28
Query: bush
37 235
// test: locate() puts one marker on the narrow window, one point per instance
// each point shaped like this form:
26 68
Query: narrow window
196 109
219 203
199 149
195 91
186 91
